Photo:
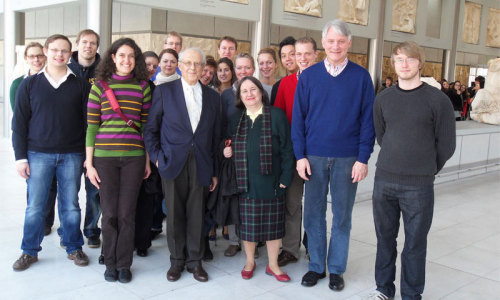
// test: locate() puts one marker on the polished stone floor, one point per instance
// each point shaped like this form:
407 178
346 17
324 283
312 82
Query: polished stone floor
463 260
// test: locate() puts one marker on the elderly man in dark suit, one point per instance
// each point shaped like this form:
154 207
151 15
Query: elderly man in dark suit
182 135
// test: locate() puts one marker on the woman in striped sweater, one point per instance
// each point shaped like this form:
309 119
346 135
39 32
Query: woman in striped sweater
116 160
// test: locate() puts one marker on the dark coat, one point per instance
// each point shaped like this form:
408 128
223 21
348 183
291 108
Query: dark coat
169 138
223 203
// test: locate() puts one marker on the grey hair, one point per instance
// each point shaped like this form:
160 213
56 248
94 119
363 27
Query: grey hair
339 27
203 57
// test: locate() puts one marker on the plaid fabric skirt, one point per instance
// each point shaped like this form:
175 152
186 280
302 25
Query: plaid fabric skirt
262 219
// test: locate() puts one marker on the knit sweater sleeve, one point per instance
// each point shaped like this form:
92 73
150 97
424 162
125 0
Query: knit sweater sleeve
445 132
300 105
367 132
93 114
378 120
21 119
146 104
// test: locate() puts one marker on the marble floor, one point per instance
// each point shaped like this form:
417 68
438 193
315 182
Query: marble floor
463 260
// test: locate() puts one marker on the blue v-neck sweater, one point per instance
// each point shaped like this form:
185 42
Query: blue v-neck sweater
332 116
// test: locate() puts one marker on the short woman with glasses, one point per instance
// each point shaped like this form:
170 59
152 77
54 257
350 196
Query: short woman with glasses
33 55
116 160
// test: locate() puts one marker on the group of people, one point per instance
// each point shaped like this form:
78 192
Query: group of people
152 127
461 97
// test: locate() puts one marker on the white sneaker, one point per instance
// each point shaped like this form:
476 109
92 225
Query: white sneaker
377 296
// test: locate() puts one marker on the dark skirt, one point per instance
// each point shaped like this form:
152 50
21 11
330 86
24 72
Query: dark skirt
262 219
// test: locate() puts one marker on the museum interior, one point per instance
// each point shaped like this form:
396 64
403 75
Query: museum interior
459 39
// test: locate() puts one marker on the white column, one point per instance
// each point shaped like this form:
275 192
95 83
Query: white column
9 59
99 14
376 49
262 30
450 56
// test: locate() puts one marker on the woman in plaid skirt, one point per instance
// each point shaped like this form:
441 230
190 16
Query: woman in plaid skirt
263 158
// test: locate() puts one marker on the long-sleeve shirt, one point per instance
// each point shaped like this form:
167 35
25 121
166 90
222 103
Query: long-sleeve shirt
416 132
48 119
285 95
107 132
332 116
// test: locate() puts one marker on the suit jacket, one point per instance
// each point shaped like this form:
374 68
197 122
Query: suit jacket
168 135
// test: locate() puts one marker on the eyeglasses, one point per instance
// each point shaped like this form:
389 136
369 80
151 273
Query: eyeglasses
32 57
62 51
191 63
409 60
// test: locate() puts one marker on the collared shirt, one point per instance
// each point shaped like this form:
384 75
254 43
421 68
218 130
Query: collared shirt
254 115
335 70
193 96
55 84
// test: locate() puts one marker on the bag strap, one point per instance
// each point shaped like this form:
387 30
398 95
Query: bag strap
115 106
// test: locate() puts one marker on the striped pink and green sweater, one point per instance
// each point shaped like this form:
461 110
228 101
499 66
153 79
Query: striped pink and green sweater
107 132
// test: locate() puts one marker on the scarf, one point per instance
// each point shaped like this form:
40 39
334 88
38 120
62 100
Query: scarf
240 148
164 79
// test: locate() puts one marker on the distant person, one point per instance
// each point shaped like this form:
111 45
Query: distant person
227 47
388 82
286 54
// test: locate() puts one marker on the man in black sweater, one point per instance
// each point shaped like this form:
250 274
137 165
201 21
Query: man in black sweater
83 63
415 128
48 135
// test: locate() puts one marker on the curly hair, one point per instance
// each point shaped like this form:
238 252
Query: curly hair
107 66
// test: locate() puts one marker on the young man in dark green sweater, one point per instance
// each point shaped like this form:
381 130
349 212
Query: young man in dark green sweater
415 128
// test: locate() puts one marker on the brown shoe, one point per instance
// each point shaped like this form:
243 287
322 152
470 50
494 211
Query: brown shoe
232 250
174 273
285 258
24 262
199 273
79 258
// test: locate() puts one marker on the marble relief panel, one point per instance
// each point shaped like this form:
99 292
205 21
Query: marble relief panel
304 7
360 59
354 11
493 29
238 1
404 13
471 23
462 74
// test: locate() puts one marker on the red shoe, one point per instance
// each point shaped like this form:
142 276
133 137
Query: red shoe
247 274
281 277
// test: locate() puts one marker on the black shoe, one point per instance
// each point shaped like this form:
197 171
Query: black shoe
111 275
199 273
94 242
311 278
48 230
124 275
336 282
154 234
142 252
101 259
285 258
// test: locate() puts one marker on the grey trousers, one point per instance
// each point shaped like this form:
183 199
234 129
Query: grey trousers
293 216
185 201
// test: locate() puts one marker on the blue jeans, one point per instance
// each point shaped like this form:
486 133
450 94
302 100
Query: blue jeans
68 169
336 172
92 210
416 204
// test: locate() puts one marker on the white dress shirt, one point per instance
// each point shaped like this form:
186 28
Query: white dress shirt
193 96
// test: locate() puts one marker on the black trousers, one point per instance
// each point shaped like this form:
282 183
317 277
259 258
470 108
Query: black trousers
121 179
185 201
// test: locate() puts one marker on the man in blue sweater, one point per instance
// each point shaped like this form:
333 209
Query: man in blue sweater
415 128
333 136
48 135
